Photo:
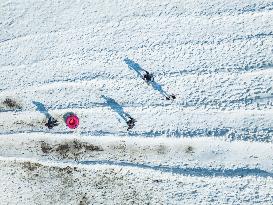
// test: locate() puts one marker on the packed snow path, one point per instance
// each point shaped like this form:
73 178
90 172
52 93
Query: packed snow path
210 145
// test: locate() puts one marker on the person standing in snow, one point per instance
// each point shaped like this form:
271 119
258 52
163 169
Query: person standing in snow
42 109
51 123
169 97
131 123
148 77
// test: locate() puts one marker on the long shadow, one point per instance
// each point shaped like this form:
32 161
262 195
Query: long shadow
141 72
158 87
42 109
117 108
199 172
264 136
135 67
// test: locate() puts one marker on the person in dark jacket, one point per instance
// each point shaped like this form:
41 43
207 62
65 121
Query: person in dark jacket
51 123
169 97
148 77
131 123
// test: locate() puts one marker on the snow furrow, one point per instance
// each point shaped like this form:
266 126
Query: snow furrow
106 182
171 121
136 10
180 155
248 90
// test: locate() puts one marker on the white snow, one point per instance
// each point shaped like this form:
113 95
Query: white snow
211 145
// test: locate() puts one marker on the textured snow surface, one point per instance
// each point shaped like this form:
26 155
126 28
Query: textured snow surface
213 144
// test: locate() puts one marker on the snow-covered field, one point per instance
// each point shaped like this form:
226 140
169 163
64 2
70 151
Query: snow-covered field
213 144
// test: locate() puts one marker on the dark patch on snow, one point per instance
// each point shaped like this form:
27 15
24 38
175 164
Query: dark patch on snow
71 149
189 149
84 200
66 169
31 166
161 149
46 148
11 104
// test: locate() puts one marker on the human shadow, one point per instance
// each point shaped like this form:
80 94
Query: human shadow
42 109
189 171
120 111
148 78
135 67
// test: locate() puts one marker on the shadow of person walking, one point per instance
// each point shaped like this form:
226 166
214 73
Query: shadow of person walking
148 78
42 109
120 111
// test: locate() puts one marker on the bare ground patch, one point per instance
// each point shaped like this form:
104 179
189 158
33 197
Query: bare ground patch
10 104
70 149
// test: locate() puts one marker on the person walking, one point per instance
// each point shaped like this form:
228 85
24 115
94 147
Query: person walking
51 122
148 77
131 123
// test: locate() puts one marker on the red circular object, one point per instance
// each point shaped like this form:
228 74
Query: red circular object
72 121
